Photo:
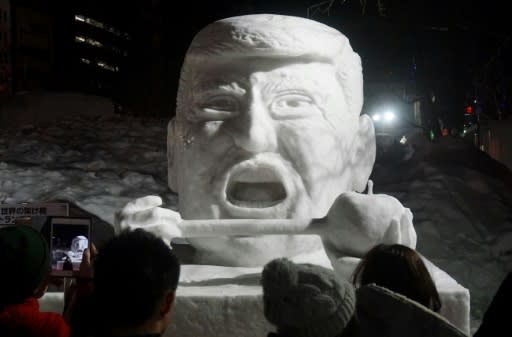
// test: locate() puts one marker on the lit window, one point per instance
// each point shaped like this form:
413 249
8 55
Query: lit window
88 40
101 25
95 23
96 43
93 42
86 61
107 66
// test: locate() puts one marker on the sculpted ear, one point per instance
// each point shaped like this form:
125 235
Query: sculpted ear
172 178
363 155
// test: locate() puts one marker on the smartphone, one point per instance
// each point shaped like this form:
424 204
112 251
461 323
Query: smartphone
70 236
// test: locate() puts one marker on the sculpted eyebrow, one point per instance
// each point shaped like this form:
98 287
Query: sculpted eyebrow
223 85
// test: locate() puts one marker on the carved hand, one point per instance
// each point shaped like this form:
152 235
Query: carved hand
357 222
146 213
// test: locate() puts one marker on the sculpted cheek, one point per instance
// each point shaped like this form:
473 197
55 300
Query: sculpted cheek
204 141
310 147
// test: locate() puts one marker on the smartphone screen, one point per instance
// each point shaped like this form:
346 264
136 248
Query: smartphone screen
69 238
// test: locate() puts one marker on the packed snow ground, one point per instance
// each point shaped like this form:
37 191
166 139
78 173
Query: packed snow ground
461 199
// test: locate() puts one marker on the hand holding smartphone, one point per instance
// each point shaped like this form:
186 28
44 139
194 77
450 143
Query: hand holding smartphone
69 238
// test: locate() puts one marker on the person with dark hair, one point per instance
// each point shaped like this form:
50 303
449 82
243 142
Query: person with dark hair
134 287
25 266
67 265
399 269
306 300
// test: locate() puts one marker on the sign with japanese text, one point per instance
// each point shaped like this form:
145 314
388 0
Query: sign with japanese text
10 212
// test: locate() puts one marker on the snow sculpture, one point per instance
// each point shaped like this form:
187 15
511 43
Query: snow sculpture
268 126
79 244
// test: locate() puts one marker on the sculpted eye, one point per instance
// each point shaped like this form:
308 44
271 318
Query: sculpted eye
218 108
292 105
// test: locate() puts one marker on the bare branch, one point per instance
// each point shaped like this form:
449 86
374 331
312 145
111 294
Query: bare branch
381 7
323 7
363 6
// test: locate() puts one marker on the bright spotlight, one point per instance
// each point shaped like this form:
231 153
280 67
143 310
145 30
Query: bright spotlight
376 117
389 116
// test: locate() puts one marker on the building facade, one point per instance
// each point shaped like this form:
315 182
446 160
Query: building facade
100 49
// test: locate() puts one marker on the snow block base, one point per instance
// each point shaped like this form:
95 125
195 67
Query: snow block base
215 301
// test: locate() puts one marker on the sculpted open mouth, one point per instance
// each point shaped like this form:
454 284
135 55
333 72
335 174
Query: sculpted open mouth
256 187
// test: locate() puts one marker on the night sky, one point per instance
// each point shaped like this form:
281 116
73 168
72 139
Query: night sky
456 48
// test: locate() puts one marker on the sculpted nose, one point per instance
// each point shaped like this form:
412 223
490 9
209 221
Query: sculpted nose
257 132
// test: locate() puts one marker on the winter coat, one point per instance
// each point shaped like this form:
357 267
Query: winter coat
383 313
25 320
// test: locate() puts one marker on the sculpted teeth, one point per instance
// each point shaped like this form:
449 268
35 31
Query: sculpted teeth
254 204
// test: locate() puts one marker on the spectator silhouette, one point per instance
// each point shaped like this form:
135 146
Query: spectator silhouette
399 269
384 313
305 300
135 276
25 265
68 265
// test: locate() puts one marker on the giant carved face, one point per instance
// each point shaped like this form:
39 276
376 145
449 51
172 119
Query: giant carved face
266 137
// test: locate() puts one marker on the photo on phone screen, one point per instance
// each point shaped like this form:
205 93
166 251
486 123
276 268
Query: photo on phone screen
69 238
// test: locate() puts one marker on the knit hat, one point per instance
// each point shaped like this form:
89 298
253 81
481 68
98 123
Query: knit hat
24 262
305 300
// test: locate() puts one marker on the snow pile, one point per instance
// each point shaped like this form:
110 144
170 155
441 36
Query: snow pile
98 163
461 201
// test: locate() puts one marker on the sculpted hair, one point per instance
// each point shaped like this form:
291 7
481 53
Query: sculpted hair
132 273
279 37
399 269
